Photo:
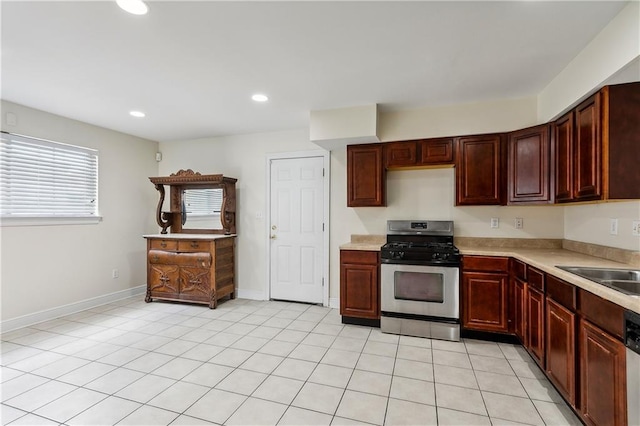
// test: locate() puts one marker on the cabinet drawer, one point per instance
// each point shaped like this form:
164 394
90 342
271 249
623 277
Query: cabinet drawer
562 292
162 244
193 245
485 263
535 278
519 269
359 256
195 260
605 314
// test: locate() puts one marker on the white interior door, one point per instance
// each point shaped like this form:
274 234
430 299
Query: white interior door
296 229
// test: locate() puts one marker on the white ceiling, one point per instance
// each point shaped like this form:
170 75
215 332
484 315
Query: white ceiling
193 66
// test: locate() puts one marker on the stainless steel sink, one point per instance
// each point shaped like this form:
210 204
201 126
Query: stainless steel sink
624 280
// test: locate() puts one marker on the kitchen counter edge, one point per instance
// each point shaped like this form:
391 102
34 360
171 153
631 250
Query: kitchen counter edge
548 260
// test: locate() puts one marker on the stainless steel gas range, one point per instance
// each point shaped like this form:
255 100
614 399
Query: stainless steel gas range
420 280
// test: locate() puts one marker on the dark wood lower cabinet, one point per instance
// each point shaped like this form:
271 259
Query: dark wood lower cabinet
560 349
485 301
359 284
602 377
534 330
519 317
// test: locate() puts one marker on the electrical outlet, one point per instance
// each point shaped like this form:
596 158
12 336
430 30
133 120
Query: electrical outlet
259 215
613 227
495 222
519 223
115 274
635 229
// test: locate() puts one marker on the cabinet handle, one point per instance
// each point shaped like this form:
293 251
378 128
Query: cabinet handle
163 244
194 244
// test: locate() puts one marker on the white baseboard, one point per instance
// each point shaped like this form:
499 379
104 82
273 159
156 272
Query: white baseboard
71 308
334 302
251 294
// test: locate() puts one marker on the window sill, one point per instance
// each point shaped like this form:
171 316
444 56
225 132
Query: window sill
49 221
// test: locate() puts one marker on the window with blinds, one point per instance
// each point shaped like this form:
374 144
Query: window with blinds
44 179
203 202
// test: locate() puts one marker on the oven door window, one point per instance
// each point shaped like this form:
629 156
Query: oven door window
419 286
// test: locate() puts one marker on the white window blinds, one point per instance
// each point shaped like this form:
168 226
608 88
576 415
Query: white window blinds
203 202
40 178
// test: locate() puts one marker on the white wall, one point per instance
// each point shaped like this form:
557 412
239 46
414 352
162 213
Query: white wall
456 120
590 223
45 267
616 46
244 158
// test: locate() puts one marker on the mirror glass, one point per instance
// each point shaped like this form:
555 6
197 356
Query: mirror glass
201 208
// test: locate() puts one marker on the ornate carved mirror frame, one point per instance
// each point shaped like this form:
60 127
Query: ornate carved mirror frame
188 179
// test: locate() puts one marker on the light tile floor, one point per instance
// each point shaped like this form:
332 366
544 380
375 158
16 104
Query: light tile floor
259 362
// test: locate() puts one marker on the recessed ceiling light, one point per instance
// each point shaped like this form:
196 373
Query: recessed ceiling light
136 7
137 114
260 98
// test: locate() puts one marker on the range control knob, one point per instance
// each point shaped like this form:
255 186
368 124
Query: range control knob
397 254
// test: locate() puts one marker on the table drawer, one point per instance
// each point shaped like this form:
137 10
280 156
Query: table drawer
162 244
193 245
194 260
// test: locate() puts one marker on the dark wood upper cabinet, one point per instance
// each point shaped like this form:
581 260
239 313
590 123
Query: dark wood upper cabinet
563 158
528 166
418 153
588 154
621 141
588 150
595 147
436 151
479 170
401 154
365 176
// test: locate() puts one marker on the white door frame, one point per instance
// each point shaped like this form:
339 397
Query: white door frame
326 164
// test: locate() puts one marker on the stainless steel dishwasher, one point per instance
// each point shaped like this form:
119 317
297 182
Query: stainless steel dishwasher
632 342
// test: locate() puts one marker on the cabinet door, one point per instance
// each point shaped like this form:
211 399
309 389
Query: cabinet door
602 377
484 301
528 165
588 150
195 281
534 303
365 176
479 165
519 316
163 278
563 161
401 154
560 349
359 285
436 151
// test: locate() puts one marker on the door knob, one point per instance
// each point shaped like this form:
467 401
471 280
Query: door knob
274 227
273 237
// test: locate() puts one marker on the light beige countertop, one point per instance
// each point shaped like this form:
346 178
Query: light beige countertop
546 257
183 236
365 243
